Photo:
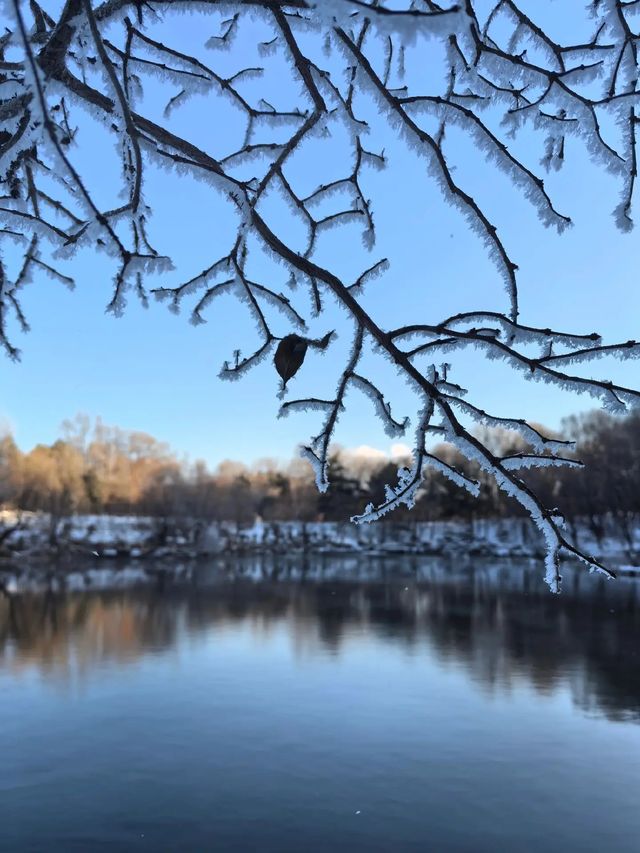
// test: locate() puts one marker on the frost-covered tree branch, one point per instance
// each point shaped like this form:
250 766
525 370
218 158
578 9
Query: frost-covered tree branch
501 71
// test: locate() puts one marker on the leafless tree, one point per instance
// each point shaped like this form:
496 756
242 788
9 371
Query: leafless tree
497 62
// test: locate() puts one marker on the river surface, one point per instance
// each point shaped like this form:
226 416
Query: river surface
356 706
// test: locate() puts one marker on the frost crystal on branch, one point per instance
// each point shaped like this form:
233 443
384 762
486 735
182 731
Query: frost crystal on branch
501 73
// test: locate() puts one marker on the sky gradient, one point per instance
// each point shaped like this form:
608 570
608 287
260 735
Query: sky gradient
151 370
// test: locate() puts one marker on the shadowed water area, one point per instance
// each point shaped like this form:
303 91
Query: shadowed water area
332 705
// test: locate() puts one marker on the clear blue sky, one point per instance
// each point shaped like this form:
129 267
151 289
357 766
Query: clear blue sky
153 371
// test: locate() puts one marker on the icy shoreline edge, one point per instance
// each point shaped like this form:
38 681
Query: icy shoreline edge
39 537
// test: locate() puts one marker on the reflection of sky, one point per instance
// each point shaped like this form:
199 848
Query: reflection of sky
157 373
229 731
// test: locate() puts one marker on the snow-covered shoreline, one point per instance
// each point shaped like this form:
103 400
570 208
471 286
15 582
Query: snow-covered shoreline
111 552
29 536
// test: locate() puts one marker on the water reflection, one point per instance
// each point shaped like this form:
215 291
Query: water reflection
502 625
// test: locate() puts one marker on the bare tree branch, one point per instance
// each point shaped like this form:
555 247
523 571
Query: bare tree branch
347 61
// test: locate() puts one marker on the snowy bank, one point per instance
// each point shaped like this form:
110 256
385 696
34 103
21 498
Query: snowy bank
29 536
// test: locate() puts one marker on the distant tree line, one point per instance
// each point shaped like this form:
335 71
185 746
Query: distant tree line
94 468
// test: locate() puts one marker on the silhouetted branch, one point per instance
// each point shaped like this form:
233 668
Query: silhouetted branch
498 63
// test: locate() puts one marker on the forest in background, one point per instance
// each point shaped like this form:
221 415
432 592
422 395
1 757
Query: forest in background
95 468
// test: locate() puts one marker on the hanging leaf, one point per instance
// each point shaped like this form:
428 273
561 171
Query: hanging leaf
289 356
291 352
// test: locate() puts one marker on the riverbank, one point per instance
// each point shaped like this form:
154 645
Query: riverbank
37 537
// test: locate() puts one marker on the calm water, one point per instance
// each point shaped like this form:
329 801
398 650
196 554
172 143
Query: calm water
390 706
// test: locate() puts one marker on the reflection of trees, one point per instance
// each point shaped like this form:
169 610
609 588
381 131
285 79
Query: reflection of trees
502 625
586 640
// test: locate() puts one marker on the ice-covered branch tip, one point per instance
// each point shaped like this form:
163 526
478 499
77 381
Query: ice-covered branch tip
297 75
